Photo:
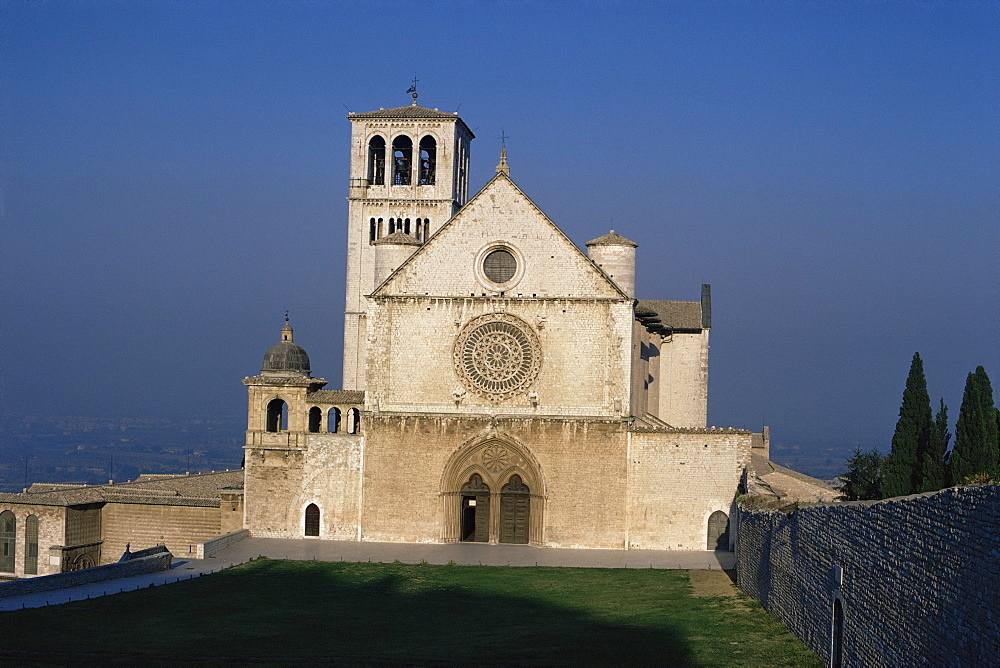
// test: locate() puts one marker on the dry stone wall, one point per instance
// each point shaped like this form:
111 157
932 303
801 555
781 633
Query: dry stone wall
917 578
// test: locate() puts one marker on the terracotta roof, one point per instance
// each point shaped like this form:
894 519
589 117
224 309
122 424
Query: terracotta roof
399 238
674 315
409 112
336 397
612 239
177 490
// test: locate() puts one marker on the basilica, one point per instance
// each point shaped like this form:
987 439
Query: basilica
499 383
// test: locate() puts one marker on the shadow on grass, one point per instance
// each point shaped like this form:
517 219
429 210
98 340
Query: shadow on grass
308 612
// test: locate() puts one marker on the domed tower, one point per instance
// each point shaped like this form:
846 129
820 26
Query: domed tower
409 175
616 256
277 414
285 358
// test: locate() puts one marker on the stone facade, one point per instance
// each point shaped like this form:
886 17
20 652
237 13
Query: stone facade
502 385
907 581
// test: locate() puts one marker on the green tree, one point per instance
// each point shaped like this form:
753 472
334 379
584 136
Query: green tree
933 468
863 479
901 469
976 451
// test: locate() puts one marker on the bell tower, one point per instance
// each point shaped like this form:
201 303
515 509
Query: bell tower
409 174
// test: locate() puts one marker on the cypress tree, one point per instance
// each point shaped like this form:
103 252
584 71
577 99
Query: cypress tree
976 451
901 470
933 468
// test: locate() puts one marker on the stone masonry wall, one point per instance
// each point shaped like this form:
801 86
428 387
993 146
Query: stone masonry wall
677 480
280 483
180 528
148 564
917 577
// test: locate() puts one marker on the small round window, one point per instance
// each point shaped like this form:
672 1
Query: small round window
499 266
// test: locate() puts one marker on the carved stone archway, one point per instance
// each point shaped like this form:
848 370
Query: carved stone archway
502 466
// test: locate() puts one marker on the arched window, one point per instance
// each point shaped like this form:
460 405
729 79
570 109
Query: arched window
8 538
315 418
718 531
31 545
428 160
333 420
406 226
312 520
392 225
277 415
372 230
402 160
376 161
353 421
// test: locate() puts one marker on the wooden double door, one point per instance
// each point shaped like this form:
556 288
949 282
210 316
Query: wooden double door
514 512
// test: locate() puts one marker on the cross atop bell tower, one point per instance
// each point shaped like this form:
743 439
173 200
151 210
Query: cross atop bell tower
409 174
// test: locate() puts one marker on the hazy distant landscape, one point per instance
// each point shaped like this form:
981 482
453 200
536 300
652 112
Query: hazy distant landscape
95 450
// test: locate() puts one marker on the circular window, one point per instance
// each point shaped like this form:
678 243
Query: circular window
499 266
497 355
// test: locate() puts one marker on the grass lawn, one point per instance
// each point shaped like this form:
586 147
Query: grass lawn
294 612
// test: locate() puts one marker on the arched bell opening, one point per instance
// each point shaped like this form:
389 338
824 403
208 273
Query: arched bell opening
376 161
402 161
277 415
428 160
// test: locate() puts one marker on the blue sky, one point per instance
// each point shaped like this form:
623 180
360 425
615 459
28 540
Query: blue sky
174 178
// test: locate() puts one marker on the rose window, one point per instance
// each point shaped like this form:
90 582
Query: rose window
497 355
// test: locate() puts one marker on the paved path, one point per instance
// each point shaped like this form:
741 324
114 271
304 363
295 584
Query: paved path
466 554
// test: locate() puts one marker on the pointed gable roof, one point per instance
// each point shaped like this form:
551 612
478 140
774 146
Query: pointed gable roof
500 214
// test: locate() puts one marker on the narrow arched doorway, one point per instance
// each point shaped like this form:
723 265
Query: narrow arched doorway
475 510
515 511
718 531
312 520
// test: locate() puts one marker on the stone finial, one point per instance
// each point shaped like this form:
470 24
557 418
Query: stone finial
503 167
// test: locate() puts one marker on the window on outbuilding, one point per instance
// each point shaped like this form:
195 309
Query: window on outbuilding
8 541
31 545
277 415
315 418
333 420
428 160
402 161
376 161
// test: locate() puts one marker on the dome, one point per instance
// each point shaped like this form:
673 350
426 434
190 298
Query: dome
286 355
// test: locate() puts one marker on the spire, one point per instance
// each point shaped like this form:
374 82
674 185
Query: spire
503 167
286 331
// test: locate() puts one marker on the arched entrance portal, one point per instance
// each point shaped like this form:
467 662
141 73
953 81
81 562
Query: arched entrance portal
493 491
